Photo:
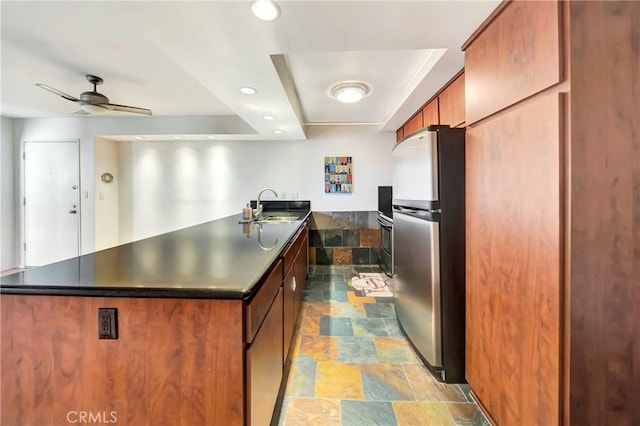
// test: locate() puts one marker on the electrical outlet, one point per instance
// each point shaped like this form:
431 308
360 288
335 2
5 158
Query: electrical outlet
107 323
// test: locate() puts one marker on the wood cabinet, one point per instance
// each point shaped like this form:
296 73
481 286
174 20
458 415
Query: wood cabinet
430 113
553 247
515 57
451 103
295 275
513 263
414 124
175 362
264 366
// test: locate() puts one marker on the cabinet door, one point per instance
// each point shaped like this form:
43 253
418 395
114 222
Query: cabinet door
513 255
430 113
264 366
289 318
413 125
451 103
300 272
516 56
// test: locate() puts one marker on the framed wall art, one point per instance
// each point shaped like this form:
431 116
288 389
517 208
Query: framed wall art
338 175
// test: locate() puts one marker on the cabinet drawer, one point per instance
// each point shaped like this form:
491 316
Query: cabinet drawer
292 251
516 56
264 366
259 305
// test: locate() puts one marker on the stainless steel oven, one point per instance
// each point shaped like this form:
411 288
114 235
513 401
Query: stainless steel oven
385 253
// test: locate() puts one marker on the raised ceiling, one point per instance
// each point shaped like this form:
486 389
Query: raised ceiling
190 58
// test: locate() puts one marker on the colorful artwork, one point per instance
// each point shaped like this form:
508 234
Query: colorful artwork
338 175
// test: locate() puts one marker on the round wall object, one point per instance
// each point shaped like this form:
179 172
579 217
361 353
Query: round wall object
107 177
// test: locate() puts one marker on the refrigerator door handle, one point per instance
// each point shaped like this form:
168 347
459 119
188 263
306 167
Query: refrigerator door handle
430 215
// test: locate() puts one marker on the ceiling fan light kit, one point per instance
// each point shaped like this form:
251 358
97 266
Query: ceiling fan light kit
93 102
349 92
265 10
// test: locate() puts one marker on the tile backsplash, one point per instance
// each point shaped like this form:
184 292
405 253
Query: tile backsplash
344 238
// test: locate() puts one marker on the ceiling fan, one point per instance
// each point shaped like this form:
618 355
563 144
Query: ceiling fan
94 102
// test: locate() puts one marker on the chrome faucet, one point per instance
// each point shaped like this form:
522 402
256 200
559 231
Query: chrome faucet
257 213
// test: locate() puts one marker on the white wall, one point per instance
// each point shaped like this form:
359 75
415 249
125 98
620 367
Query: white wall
9 160
86 129
164 186
106 206
170 185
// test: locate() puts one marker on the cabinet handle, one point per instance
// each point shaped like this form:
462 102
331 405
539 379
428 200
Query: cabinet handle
293 287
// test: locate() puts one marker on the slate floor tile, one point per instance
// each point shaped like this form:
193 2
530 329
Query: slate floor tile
338 380
368 413
379 310
331 326
385 382
369 327
422 413
313 412
357 349
395 349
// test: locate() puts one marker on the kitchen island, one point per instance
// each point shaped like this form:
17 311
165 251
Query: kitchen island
200 329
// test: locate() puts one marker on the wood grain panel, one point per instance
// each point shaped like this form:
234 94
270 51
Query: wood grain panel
516 56
177 362
513 263
414 124
430 113
264 367
451 103
605 213
259 305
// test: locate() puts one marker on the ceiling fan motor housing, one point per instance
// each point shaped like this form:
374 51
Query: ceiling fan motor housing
93 98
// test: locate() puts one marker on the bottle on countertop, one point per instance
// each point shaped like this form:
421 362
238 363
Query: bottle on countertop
247 213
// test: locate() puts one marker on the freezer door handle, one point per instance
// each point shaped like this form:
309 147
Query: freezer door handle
430 215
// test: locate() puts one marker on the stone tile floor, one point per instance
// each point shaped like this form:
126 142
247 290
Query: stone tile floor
352 365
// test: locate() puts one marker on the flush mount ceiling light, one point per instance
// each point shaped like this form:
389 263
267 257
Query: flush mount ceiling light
265 10
211 137
248 90
278 132
349 92
268 117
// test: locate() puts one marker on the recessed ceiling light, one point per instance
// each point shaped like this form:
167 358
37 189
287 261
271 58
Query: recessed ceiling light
265 10
176 137
139 137
278 132
349 92
268 117
248 90
211 137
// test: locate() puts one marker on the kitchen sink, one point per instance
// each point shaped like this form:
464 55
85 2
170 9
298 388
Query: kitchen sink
278 219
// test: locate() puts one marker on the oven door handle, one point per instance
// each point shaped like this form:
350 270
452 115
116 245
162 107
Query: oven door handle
384 223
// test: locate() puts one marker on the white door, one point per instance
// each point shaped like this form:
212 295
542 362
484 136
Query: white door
51 201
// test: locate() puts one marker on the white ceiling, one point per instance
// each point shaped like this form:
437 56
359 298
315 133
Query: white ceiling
190 58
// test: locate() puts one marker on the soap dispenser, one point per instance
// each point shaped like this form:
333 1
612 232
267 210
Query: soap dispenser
247 213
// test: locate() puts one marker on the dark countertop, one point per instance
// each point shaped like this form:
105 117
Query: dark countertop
221 259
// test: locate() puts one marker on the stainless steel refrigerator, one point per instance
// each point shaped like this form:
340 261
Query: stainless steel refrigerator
428 244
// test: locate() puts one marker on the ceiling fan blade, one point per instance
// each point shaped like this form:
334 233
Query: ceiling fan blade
57 92
125 108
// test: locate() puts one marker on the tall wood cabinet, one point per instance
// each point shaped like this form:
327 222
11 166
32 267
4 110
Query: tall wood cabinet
552 105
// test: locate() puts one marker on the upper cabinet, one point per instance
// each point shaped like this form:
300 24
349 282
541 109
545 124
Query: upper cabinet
451 103
430 113
517 56
447 107
416 123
